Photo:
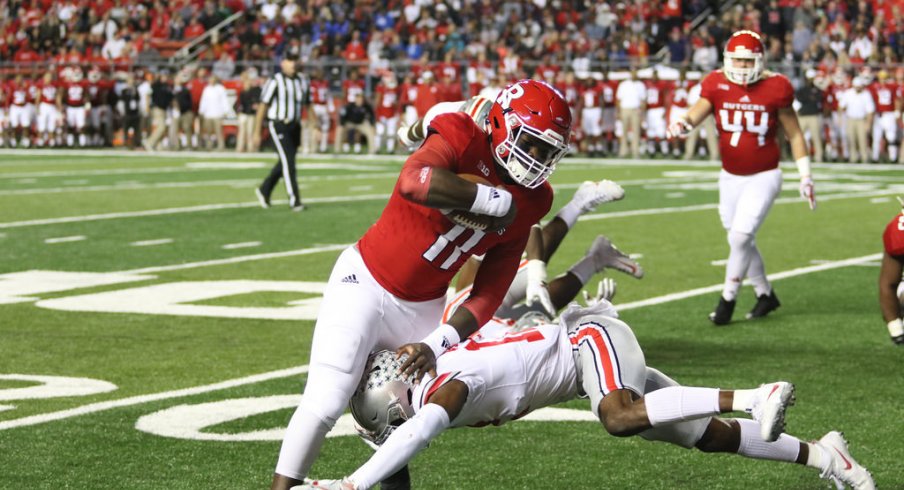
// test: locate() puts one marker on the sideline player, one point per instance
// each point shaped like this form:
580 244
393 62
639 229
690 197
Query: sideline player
890 284
491 379
749 104
390 287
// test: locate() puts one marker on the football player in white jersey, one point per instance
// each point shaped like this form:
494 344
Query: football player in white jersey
501 374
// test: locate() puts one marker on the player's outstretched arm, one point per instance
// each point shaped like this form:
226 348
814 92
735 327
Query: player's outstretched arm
413 436
889 278
695 115
799 151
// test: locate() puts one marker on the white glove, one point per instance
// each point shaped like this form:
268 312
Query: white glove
536 286
605 290
806 191
679 129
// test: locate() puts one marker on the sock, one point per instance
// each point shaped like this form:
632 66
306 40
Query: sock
743 399
584 269
301 444
785 448
739 258
756 273
569 213
679 403
817 457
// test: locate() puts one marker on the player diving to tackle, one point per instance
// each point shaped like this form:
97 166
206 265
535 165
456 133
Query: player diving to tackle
498 375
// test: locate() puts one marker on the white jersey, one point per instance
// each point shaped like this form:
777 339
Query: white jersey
508 375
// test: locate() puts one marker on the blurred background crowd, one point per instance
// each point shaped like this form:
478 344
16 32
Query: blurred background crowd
185 74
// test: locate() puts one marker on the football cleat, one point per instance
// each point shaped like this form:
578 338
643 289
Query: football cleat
591 194
842 469
765 304
343 484
768 408
898 339
298 207
265 202
605 254
722 314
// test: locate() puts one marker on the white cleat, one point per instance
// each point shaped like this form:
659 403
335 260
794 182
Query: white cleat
768 408
308 484
591 194
605 254
842 469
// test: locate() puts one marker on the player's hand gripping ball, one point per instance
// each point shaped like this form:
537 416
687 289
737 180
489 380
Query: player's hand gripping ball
479 222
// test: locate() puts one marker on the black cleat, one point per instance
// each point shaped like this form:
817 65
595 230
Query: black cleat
723 312
899 340
765 304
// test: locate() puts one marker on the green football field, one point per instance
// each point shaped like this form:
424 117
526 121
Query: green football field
155 323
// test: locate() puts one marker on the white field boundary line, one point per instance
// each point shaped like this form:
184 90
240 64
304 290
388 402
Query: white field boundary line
237 260
772 277
187 209
141 399
283 373
701 207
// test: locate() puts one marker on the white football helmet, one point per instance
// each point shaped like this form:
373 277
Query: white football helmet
382 401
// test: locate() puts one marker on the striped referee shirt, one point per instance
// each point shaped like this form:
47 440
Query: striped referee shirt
284 97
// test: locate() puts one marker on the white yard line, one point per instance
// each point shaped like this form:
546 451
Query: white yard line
283 373
150 243
772 277
236 260
140 399
233 246
187 209
65 239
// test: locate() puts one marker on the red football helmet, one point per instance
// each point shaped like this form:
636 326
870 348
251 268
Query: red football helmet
744 45
529 126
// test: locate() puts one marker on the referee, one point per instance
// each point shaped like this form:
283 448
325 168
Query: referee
281 101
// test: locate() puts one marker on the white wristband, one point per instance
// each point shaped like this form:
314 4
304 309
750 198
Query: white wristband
896 327
803 166
442 338
491 201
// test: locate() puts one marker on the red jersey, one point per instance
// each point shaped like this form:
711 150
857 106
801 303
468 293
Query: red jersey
609 88
572 92
592 96
408 93
76 94
547 72
830 97
655 94
747 120
428 95
19 93
320 92
884 96
893 238
389 101
679 95
414 251
48 92
97 92
352 88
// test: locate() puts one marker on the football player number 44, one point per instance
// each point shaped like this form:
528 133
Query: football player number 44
744 120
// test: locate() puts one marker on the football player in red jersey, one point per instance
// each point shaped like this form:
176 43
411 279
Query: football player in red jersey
890 284
749 105
389 289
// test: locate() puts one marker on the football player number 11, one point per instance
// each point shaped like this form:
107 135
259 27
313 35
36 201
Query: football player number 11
741 120
453 238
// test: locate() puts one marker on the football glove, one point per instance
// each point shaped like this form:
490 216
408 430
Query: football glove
807 192
536 286
605 290
679 129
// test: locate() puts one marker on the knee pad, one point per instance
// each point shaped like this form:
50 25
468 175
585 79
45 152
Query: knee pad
738 240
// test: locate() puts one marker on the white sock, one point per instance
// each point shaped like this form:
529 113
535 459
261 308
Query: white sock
584 269
785 448
743 400
817 457
679 403
569 213
738 262
756 273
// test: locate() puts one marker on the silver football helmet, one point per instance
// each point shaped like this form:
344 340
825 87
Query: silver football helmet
382 400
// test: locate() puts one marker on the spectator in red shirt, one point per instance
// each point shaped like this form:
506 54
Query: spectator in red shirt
193 29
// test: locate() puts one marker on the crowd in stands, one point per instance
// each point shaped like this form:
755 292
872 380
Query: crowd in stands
428 50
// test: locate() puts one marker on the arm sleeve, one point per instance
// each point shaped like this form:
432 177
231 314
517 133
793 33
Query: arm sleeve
414 180
403 445
493 279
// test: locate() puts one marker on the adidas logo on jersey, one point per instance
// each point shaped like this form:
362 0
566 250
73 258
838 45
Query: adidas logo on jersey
350 279
745 99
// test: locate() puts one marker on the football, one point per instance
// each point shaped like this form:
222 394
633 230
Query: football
474 221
